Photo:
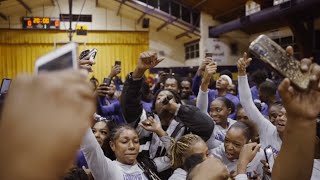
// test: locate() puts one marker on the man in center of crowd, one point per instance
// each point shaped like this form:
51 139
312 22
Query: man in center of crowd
176 119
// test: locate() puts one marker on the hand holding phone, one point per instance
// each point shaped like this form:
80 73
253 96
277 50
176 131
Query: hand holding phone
271 53
64 57
88 54
5 85
117 63
268 152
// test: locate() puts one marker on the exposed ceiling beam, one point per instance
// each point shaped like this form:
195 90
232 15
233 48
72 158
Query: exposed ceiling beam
191 30
271 14
140 18
4 17
52 2
199 4
160 15
25 5
183 34
145 13
166 24
119 9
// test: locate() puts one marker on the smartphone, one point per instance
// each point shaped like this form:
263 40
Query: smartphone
107 81
272 54
64 57
5 85
117 63
89 54
268 152
209 55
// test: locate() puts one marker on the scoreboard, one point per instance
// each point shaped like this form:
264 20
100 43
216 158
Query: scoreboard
40 23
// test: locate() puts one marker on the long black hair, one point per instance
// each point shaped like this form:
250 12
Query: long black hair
175 96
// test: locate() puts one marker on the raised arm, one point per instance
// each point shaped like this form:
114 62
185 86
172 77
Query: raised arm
131 95
48 150
295 159
198 122
108 110
101 166
202 99
196 81
246 98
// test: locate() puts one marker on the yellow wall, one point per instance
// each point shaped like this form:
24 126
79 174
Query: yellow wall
19 49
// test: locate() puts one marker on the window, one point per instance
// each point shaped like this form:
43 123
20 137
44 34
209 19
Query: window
288 41
164 6
176 9
186 14
153 3
192 50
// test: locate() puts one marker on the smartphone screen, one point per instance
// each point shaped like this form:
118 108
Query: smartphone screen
210 55
269 156
107 81
84 54
62 62
5 85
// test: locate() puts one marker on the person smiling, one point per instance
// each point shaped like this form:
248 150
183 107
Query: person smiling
237 136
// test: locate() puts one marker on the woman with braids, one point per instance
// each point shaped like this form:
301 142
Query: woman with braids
183 148
124 141
239 134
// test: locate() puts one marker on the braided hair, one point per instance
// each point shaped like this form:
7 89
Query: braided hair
181 148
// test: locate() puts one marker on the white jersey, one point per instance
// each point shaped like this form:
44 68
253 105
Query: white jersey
267 131
254 165
103 168
179 174
218 135
316 170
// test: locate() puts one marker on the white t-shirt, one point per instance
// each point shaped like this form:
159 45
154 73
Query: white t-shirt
218 135
316 170
179 174
103 168
162 162
267 131
254 165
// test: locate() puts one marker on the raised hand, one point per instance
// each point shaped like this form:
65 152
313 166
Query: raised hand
152 125
102 90
243 63
116 69
86 64
305 104
44 112
210 69
266 168
203 65
248 152
147 60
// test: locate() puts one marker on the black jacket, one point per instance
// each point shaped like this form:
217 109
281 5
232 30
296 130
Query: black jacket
193 119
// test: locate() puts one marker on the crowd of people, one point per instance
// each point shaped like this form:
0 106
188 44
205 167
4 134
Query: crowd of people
59 125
